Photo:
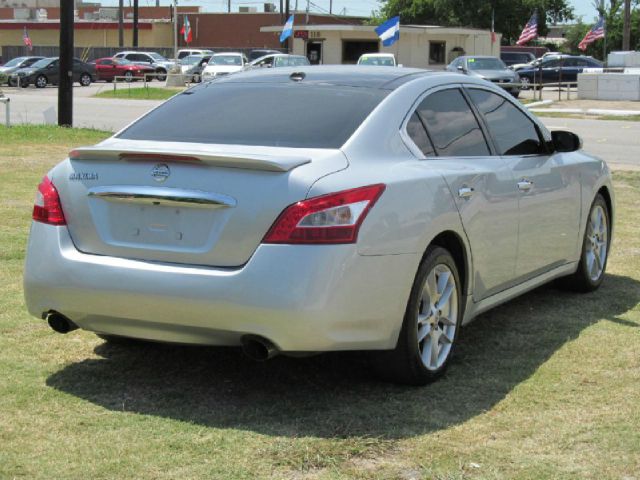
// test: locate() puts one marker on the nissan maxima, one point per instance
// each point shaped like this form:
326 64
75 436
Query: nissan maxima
360 208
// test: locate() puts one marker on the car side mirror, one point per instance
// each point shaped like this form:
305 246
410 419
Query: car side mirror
462 69
564 141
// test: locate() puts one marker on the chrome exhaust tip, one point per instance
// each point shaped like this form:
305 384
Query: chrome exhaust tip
258 348
59 323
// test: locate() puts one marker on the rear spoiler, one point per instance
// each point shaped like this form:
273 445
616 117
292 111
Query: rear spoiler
251 161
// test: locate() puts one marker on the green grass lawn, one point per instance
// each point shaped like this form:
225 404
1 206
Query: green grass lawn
128 91
546 386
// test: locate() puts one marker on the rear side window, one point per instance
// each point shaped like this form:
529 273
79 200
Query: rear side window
513 132
269 114
417 133
452 125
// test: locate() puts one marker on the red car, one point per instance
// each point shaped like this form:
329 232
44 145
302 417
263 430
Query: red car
109 68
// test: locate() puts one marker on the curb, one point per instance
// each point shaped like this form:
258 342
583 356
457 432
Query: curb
589 111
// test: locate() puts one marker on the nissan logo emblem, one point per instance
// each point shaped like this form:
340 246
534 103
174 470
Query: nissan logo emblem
160 172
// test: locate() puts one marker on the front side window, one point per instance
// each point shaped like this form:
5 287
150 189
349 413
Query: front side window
452 125
513 132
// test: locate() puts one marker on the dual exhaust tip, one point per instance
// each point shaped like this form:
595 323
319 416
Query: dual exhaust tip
59 323
254 346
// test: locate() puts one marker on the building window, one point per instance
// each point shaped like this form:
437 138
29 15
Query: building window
437 52
352 49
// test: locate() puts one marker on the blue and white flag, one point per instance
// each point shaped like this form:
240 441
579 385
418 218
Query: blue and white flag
389 31
287 30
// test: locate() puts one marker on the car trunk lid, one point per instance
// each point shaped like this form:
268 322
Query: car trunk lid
180 202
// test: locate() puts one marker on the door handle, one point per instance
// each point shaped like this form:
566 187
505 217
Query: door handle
525 185
465 192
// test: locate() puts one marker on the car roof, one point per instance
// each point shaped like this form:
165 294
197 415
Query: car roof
227 53
476 56
387 78
378 55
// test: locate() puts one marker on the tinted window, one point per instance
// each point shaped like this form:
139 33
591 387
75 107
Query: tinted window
417 133
282 114
452 125
514 133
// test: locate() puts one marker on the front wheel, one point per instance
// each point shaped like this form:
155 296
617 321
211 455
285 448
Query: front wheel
162 75
430 326
595 250
128 77
41 81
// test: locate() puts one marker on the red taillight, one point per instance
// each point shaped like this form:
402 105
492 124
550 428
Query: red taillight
47 208
333 218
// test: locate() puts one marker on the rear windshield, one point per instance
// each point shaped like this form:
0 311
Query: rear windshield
269 114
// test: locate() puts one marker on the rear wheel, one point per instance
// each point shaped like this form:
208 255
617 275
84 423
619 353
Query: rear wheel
41 81
525 83
162 75
595 250
430 326
128 76
85 79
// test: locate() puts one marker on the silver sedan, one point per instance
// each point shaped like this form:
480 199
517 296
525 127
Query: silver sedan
318 209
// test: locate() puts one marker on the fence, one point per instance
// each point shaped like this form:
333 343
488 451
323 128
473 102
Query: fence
91 53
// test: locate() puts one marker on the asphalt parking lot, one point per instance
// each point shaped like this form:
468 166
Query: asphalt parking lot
612 140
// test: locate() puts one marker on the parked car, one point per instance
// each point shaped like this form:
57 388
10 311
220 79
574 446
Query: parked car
556 68
14 65
46 72
261 52
109 68
514 58
193 65
411 203
224 64
185 52
380 59
489 68
279 60
160 64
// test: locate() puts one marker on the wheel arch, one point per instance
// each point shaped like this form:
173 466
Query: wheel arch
606 194
455 245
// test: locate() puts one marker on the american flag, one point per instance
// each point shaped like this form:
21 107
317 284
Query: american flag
26 39
596 32
530 30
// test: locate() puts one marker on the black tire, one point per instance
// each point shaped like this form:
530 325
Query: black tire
41 81
108 80
162 75
197 78
12 82
515 93
404 364
582 281
128 77
85 79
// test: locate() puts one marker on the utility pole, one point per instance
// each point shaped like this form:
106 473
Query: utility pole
626 26
330 6
65 65
175 30
121 23
281 12
135 23
306 20
229 6
286 16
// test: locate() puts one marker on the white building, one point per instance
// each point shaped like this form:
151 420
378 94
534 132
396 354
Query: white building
419 46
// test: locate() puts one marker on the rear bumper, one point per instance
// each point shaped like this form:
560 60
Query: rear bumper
302 298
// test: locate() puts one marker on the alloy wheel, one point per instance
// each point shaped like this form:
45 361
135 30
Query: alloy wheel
596 242
437 317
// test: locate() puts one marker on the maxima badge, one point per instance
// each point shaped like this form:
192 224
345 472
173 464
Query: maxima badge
160 172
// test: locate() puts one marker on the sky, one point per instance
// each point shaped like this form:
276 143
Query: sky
582 8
